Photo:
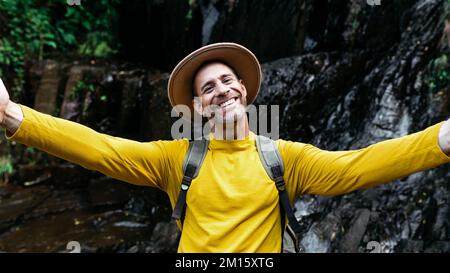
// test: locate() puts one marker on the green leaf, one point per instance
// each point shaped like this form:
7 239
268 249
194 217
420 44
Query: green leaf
51 44
49 36
87 25
6 168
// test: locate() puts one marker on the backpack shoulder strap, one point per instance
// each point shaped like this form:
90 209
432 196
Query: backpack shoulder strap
191 166
273 164
271 160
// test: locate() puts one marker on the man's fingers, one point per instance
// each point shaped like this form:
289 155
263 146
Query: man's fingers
3 92
2 86
4 99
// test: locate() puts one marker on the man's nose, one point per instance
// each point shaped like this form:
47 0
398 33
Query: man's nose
223 89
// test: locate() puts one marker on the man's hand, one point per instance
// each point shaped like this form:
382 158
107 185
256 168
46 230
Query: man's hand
11 115
444 137
4 101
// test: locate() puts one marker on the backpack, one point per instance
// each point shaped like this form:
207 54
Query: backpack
273 164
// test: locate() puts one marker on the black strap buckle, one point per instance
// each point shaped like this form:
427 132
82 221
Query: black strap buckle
279 182
186 183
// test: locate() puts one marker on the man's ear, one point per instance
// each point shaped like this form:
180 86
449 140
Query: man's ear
241 81
244 90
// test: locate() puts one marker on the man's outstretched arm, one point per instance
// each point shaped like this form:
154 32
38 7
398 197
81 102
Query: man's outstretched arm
337 172
142 163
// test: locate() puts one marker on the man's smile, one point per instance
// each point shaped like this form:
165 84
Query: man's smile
228 102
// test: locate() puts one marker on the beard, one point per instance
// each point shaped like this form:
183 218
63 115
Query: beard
230 123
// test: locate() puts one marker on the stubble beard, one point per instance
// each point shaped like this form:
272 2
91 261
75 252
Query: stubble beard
230 123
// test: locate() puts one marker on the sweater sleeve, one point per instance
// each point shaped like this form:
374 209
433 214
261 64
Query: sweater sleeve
140 163
315 171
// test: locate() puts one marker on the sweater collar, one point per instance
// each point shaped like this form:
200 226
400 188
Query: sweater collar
232 145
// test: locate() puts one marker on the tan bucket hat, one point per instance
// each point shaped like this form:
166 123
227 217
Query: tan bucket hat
241 59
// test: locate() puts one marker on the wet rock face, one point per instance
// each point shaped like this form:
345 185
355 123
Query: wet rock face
292 83
102 216
356 93
272 29
360 95
321 235
350 242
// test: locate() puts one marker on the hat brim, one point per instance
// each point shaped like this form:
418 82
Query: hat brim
242 60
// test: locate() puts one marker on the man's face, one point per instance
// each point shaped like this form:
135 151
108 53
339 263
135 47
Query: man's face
220 93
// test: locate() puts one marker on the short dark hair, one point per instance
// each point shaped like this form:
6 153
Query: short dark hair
205 64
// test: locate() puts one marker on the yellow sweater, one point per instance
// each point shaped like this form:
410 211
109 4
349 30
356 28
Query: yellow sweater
232 206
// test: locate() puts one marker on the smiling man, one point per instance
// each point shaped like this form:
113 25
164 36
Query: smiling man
225 77
223 99
233 204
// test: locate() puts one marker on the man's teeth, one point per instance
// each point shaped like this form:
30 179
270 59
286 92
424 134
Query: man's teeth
228 102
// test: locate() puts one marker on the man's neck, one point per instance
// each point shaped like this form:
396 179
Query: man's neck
232 131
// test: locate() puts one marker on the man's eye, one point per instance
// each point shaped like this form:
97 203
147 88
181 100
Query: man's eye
208 90
227 80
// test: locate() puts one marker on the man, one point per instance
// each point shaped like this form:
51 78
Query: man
232 205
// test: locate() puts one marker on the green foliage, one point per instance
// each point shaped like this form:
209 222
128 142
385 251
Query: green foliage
438 75
6 166
28 31
84 92
191 4
96 19
96 45
30 150
80 89
38 29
